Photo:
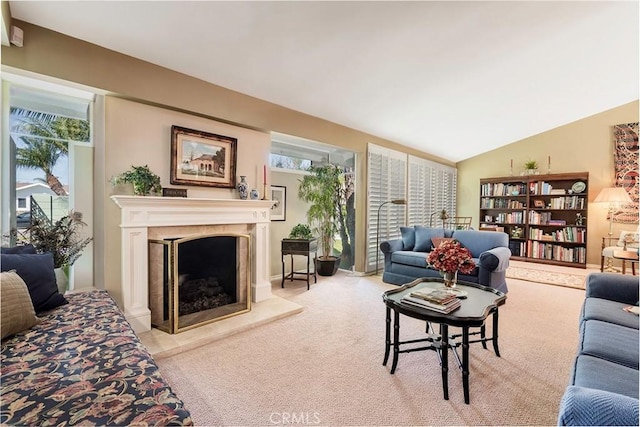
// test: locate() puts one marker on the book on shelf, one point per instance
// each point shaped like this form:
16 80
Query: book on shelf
440 308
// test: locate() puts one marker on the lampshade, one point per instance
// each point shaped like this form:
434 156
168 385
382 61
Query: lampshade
613 195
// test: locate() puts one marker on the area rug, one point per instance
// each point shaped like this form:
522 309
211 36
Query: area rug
548 277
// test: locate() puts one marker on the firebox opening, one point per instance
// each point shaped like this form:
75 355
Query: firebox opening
204 278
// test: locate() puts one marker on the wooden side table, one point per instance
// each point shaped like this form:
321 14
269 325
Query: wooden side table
293 247
625 256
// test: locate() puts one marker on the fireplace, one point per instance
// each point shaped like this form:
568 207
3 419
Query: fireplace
198 279
144 218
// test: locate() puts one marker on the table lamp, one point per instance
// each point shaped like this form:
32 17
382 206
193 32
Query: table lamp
615 197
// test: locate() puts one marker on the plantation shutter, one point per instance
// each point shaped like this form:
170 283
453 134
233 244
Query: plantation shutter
432 188
386 181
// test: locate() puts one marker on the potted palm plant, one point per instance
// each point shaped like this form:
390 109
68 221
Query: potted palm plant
322 188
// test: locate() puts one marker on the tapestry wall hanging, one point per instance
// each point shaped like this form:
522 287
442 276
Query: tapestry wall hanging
625 158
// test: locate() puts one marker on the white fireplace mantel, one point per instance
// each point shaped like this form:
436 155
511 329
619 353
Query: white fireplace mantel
139 213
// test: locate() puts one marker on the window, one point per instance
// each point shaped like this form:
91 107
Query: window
432 189
386 180
49 170
428 188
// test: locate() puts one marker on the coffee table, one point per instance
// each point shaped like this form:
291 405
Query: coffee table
481 301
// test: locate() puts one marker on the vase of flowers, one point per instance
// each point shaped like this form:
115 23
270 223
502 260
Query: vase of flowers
449 258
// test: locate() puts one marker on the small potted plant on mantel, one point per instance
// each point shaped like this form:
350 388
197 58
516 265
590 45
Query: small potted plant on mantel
531 167
143 180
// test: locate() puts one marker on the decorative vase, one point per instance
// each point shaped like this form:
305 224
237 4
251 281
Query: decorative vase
243 188
450 278
254 195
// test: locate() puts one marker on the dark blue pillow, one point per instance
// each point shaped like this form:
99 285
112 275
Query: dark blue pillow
37 272
24 249
408 238
424 236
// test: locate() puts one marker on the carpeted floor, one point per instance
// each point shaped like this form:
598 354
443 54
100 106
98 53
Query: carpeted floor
324 365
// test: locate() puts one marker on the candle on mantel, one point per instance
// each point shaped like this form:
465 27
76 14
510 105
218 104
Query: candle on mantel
264 174
549 164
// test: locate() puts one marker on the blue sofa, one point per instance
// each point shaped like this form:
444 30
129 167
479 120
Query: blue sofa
405 259
603 388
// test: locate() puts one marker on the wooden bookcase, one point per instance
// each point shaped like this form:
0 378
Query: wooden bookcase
544 216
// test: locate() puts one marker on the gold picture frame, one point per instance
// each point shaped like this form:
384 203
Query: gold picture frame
202 158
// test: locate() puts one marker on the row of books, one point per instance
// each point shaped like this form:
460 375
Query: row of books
440 300
551 251
489 203
569 202
500 189
544 188
567 234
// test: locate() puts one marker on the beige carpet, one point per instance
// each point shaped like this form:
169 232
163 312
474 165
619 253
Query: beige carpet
548 277
324 365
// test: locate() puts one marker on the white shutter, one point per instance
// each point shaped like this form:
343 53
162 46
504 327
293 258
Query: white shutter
432 188
386 180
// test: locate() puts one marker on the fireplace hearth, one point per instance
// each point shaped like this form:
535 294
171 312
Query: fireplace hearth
198 279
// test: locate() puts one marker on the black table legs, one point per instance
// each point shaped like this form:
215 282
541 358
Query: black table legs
441 345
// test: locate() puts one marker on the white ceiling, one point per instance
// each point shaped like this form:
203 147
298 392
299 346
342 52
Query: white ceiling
454 79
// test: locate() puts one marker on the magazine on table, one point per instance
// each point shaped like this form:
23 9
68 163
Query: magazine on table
441 308
441 296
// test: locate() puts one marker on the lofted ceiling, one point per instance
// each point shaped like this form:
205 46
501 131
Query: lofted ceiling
453 79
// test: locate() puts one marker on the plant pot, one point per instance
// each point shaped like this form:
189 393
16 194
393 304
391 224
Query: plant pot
327 266
61 279
125 189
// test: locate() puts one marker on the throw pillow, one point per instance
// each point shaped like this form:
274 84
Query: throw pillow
24 249
630 237
37 272
424 236
16 309
408 238
438 240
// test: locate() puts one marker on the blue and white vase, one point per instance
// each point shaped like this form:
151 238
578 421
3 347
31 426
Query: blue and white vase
243 188
254 195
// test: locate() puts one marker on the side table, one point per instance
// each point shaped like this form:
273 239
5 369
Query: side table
293 247
627 256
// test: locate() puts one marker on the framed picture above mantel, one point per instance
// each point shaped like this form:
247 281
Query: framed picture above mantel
202 158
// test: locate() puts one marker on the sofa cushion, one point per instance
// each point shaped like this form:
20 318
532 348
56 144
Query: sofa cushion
611 342
22 249
415 259
424 236
17 313
609 311
480 241
600 374
37 272
408 238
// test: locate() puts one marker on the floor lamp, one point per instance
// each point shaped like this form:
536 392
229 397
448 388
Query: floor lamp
395 202
614 197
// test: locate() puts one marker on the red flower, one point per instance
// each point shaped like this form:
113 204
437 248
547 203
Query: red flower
451 257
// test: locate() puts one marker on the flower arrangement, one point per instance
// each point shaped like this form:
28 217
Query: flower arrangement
450 257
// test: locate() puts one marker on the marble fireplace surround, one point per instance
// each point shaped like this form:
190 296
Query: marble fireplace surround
144 216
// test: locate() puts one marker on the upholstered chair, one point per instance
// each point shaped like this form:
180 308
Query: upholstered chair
627 241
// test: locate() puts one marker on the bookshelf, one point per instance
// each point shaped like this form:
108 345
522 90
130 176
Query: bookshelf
545 216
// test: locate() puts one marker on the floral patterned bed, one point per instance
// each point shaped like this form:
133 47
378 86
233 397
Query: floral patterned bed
83 364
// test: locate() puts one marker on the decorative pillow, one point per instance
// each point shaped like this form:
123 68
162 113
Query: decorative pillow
25 249
37 272
438 240
424 236
630 237
16 309
408 238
